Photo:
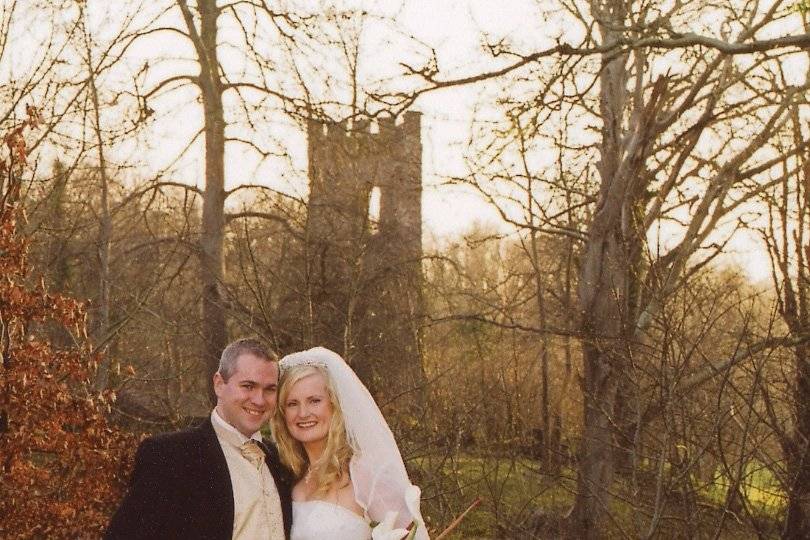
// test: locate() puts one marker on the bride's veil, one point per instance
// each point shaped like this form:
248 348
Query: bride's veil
380 481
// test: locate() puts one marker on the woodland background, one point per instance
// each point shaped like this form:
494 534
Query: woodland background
592 367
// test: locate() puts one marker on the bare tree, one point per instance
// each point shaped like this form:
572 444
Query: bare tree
548 208
786 237
283 68
671 155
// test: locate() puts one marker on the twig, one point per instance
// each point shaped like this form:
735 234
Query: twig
456 521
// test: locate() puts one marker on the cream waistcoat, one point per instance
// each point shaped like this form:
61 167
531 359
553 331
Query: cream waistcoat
257 507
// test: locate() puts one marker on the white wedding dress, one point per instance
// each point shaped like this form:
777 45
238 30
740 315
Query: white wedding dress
320 520
378 475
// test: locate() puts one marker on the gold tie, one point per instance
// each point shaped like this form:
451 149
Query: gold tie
251 451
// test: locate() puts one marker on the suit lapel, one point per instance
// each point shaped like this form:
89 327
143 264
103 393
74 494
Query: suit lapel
215 470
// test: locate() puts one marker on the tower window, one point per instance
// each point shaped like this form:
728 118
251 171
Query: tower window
374 209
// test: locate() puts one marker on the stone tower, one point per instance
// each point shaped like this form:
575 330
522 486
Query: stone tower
364 279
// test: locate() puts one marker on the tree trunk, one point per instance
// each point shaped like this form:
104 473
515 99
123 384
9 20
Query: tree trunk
104 237
212 238
546 450
212 235
797 519
603 300
603 316
796 313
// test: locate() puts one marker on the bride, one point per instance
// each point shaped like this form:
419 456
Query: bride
351 481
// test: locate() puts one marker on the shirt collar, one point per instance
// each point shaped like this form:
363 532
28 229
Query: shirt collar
232 434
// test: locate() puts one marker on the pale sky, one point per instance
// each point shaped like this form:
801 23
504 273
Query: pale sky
453 28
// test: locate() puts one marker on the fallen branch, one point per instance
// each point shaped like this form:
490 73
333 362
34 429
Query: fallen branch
458 520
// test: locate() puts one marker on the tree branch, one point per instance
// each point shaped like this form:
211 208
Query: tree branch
262 215
618 47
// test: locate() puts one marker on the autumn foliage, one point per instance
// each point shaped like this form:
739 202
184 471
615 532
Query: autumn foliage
62 467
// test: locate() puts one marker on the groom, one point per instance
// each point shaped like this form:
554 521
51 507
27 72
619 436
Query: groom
216 481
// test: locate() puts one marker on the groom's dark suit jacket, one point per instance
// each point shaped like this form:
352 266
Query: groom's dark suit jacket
181 488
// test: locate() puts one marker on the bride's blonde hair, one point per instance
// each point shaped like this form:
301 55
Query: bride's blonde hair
334 461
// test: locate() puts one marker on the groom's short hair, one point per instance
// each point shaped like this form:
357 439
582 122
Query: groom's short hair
235 349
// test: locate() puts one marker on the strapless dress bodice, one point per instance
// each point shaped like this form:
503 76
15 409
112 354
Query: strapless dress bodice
320 520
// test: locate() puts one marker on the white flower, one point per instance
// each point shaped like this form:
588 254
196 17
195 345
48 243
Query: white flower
412 496
385 529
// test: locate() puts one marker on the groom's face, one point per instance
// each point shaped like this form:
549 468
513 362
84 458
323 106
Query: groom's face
248 398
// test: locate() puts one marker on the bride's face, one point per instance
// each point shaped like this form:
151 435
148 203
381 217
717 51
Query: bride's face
307 410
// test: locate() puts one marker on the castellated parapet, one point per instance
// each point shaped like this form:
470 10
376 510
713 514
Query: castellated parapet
364 279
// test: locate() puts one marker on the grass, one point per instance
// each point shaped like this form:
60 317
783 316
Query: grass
512 490
759 486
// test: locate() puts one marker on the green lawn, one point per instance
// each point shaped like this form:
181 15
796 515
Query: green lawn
513 489
760 488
